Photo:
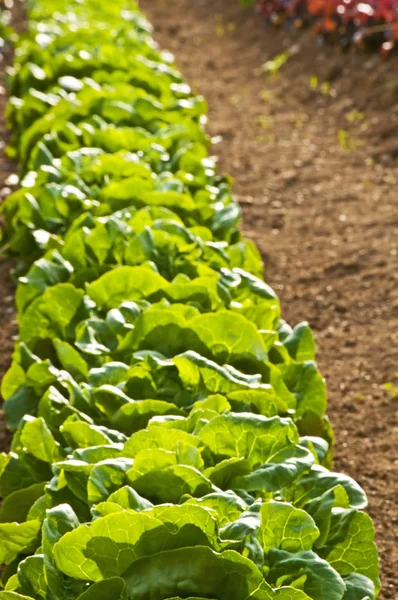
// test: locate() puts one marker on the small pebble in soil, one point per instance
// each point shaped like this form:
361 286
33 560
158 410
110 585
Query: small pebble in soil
12 179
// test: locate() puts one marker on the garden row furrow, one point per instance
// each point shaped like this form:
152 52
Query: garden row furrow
170 437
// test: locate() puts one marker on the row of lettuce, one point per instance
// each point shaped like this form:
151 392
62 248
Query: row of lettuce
170 438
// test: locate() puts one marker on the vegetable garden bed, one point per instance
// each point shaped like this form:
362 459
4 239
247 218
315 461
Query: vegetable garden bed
153 365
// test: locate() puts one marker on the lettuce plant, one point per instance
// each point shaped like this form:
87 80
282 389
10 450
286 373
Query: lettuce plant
170 437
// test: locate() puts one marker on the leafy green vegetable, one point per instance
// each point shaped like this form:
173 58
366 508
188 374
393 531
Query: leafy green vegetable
286 527
228 575
16 538
306 571
170 439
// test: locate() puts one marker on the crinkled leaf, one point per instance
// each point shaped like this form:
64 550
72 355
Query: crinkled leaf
286 527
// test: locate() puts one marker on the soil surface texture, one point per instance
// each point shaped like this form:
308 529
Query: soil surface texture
313 151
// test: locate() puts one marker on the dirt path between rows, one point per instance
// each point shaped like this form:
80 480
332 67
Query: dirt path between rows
315 169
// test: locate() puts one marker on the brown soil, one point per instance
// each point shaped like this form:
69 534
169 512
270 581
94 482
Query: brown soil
322 212
325 218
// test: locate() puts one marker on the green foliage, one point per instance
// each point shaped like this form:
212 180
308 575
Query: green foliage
170 438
